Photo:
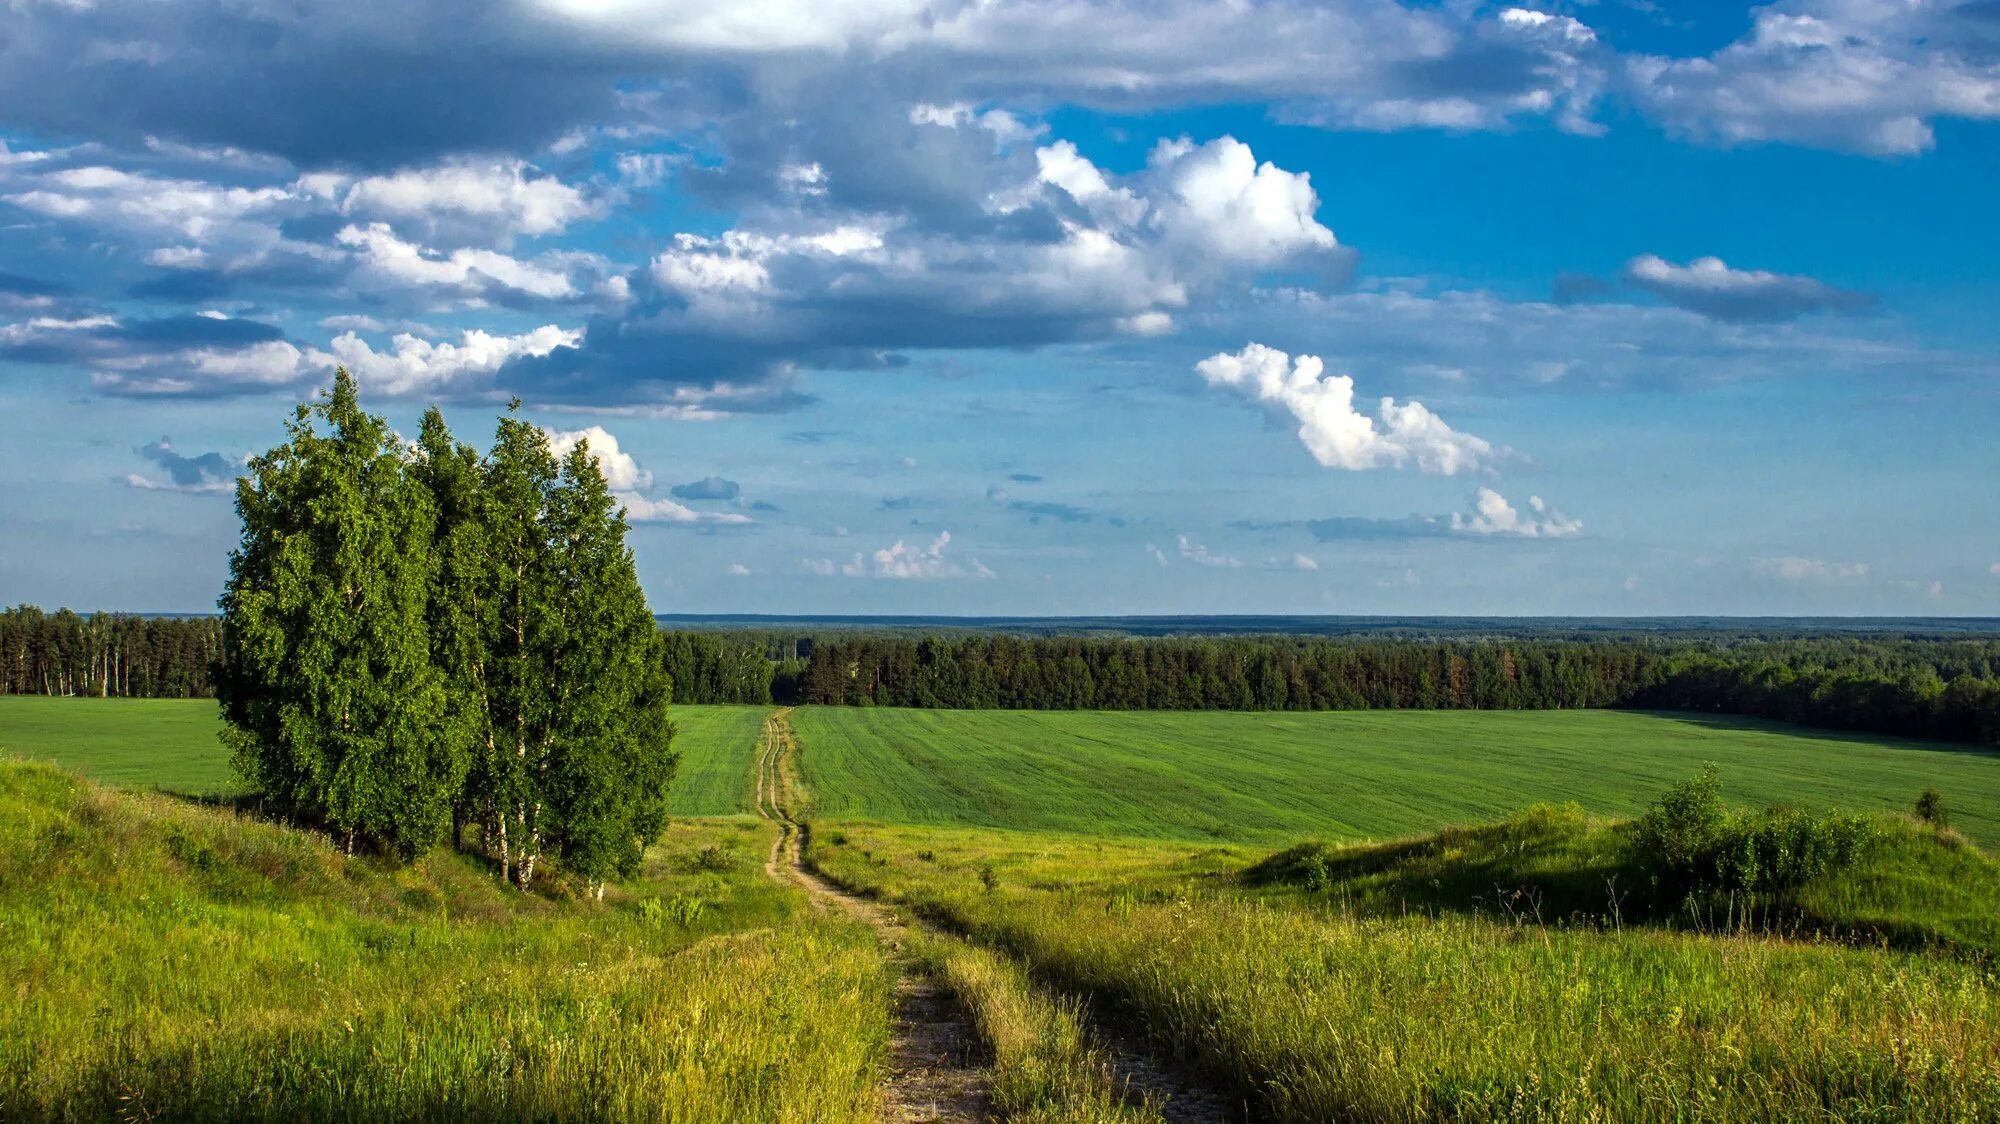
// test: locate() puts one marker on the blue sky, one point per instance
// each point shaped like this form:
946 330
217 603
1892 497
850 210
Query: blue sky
1039 306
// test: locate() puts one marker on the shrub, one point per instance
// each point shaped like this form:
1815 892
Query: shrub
1782 849
1681 830
1931 809
989 879
1692 843
714 858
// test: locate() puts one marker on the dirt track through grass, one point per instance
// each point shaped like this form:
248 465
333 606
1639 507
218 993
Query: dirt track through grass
931 1074
934 1064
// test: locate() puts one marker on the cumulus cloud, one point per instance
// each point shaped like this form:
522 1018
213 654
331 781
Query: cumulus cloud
1338 435
467 272
1709 286
205 474
1057 251
906 561
1811 571
418 366
1862 75
458 199
628 481
1304 562
1493 515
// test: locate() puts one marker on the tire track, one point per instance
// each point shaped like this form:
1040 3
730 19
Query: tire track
935 1066
931 1076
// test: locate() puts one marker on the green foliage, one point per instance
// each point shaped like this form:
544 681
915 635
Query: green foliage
336 709
1692 843
1680 834
1377 1009
416 638
1931 809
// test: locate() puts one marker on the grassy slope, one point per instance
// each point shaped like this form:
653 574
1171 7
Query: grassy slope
1272 778
171 744
1319 1012
169 959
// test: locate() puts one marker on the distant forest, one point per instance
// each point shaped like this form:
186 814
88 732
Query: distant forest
1943 686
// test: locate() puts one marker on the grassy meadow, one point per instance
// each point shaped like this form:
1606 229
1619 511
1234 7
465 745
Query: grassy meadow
1342 1003
168 960
1278 777
172 745
1333 916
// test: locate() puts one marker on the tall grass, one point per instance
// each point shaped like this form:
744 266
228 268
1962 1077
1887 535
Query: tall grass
168 961
1046 1069
1317 1013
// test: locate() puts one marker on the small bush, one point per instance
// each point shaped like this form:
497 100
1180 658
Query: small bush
1680 832
714 858
1931 809
679 909
989 879
1692 843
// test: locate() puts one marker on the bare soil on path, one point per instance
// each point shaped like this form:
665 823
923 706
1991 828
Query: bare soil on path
936 1069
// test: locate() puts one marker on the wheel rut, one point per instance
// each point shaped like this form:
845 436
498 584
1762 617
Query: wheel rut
935 1071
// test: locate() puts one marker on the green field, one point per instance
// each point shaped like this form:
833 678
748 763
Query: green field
1268 778
171 744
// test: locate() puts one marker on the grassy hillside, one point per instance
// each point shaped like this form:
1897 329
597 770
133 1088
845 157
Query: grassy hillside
167 960
1272 778
171 744
1318 1006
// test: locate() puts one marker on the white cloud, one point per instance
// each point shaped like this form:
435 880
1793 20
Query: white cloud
271 363
1200 556
1304 562
1338 435
467 270
417 365
1863 75
1814 571
1216 199
1709 286
1994 570
627 480
621 472
497 199
183 209
905 561
1493 515
738 570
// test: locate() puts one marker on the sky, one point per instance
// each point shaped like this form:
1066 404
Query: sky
1038 306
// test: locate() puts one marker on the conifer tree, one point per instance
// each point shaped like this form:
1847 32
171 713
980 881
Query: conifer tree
334 706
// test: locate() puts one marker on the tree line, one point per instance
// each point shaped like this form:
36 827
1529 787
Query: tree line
418 638
1924 688
107 655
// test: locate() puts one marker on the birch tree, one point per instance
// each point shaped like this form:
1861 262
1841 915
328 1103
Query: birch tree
335 709
611 757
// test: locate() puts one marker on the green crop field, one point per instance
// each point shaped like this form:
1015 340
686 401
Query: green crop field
1276 777
718 747
171 744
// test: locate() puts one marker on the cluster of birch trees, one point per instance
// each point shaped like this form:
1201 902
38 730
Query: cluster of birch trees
419 639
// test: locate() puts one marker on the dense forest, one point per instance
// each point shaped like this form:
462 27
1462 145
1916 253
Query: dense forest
107 654
1944 686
